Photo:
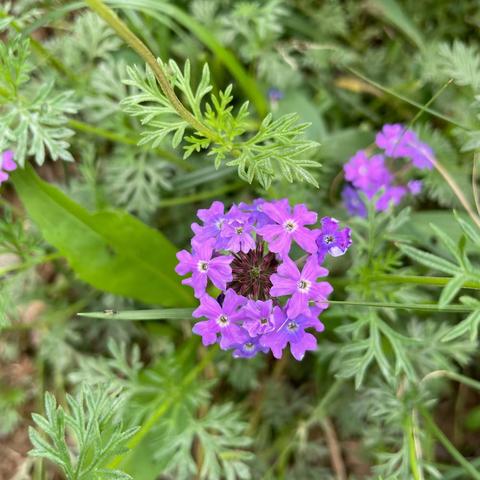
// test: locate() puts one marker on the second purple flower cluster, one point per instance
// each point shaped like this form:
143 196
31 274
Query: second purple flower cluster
267 299
374 178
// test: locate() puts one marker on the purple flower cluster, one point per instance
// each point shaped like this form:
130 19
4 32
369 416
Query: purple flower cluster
374 178
267 300
7 164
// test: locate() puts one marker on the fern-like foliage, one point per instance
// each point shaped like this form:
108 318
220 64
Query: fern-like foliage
90 422
33 118
278 149
461 62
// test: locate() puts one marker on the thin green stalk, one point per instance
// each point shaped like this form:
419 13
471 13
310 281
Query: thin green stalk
116 137
412 448
443 439
420 280
453 376
426 307
163 408
136 44
407 100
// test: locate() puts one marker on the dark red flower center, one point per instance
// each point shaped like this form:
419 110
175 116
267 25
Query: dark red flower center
251 273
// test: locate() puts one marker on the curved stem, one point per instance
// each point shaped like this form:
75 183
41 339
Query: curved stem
443 439
456 189
124 32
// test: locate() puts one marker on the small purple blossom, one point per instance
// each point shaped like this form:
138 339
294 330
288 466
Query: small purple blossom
332 239
203 267
221 319
391 197
373 176
301 285
353 203
7 164
248 348
367 174
398 141
415 186
237 231
266 301
289 225
275 95
258 317
292 331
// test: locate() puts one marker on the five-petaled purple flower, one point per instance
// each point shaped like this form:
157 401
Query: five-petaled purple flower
203 267
288 225
221 319
7 164
266 300
332 239
291 331
301 285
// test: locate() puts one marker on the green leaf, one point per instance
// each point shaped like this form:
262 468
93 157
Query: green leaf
451 289
111 250
393 13
429 260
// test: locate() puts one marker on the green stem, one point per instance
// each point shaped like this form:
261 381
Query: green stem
453 376
116 137
131 39
163 408
426 307
412 448
442 438
420 280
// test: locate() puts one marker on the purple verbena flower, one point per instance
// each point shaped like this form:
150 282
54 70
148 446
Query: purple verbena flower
248 348
353 203
203 267
415 186
332 239
214 219
398 141
291 331
237 231
301 285
241 253
289 225
223 320
7 164
392 196
258 317
367 174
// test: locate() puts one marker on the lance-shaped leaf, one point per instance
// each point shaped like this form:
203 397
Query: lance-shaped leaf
110 250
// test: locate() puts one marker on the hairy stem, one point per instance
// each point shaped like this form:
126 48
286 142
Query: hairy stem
136 44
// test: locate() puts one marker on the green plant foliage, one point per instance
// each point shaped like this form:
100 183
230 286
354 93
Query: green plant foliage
116 245
33 118
278 147
89 420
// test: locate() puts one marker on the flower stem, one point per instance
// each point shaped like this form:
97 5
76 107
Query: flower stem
136 44
443 439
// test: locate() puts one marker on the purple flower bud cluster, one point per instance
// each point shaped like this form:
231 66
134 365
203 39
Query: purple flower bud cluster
267 299
7 164
374 177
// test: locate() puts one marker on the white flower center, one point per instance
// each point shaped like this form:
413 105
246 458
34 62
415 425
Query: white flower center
222 321
363 170
292 326
304 285
248 347
239 230
328 239
202 266
219 223
290 225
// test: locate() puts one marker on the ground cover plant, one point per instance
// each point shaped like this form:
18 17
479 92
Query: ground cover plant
239 239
